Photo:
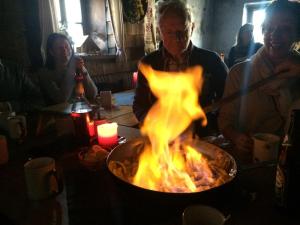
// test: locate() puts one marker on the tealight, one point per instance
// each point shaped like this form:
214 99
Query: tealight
107 134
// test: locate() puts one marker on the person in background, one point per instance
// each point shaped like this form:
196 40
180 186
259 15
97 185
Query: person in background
57 78
265 109
17 92
177 53
245 46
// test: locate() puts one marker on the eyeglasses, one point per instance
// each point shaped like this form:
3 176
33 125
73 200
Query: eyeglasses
177 35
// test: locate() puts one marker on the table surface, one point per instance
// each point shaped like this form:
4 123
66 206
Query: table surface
120 113
97 197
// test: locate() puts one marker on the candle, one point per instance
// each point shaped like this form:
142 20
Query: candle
134 78
91 128
107 134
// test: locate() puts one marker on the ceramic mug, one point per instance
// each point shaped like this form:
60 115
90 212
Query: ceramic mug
41 178
265 147
202 215
17 127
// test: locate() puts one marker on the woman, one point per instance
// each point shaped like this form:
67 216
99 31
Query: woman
265 110
57 78
245 46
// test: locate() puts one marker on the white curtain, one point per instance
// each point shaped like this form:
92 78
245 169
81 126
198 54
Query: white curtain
48 22
116 13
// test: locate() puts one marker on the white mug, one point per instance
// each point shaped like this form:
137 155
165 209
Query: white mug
265 147
41 178
202 215
17 127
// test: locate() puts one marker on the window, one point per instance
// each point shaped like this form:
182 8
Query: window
79 21
255 13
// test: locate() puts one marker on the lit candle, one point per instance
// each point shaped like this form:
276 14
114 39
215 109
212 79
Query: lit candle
107 134
91 128
135 78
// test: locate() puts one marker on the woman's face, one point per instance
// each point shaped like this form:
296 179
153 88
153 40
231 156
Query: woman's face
61 51
280 31
175 34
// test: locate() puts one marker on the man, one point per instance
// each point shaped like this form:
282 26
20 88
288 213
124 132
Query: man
177 53
17 92
265 109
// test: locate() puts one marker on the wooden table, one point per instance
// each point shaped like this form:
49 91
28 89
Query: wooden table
15 208
122 114
96 197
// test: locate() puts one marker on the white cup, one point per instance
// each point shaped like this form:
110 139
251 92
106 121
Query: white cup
17 127
265 147
202 215
41 178
3 150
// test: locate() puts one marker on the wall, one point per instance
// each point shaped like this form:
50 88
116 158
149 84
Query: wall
12 29
227 20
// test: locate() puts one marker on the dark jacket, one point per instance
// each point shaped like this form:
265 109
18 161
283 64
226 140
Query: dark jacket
241 53
215 72
17 89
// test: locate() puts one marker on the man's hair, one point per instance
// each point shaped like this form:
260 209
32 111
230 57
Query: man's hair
292 8
176 7
50 42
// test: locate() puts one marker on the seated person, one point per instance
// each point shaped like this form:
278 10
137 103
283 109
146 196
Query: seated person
266 108
245 46
177 53
57 78
17 91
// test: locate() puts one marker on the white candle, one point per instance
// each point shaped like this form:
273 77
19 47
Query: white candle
107 134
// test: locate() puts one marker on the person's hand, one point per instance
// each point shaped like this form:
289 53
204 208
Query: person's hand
79 63
287 69
273 87
243 143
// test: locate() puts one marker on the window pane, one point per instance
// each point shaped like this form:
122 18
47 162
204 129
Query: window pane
258 18
73 11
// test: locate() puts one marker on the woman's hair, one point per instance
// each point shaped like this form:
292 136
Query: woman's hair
244 28
292 8
50 63
174 6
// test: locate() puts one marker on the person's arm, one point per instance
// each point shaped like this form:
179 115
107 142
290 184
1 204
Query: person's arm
288 69
142 100
89 86
219 72
56 93
229 114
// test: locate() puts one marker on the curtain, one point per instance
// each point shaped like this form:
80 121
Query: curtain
48 22
150 28
116 13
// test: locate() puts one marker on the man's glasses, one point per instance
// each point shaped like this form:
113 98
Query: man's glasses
177 35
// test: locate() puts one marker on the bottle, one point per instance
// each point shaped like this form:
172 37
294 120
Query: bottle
80 111
287 184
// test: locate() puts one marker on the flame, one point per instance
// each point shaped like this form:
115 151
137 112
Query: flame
166 165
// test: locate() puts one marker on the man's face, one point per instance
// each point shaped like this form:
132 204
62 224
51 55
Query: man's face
280 31
61 51
175 34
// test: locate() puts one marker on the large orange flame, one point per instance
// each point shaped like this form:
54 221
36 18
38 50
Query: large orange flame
166 165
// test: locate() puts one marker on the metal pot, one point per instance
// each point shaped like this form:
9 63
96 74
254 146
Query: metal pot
132 149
